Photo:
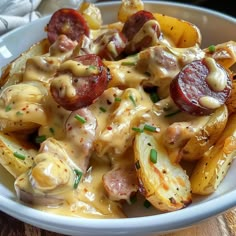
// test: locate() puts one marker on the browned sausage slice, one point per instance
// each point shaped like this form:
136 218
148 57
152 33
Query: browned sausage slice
79 82
133 26
111 44
201 87
68 22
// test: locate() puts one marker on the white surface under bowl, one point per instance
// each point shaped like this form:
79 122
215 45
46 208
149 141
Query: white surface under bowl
215 28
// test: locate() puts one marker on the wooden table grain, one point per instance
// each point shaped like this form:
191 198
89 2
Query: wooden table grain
222 225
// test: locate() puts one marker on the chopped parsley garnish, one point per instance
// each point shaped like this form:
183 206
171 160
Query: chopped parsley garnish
7 108
150 128
136 129
153 156
52 131
40 139
137 165
19 113
128 63
212 48
19 155
102 109
132 100
154 97
117 99
81 119
147 204
77 178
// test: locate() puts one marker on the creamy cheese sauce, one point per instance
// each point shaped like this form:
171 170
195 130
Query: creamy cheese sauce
77 153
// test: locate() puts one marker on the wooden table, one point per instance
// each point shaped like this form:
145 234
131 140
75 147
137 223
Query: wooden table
222 225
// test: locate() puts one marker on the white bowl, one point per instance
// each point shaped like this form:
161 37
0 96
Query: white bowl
215 28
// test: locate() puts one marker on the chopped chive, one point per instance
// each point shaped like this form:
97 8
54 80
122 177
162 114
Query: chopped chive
19 155
132 100
81 119
102 109
137 165
92 67
154 97
77 178
133 199
147 204
172 114
153 156
117 99
7 108
128 63
136 129
40 139
150 128
212 48
19 113
52 131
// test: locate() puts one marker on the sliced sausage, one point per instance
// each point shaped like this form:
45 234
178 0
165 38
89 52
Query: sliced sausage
68 22
201 87
141 37
79 82
111 44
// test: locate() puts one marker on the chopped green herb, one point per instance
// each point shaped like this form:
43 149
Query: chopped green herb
7 108
102 109
81 119
132 100
172 113
212 48
137 165
117 99
92 67
19 155
133 199
154 97
153 156
150 128
147 204
40 139
128 63
136 129
51 130
77 178
19 113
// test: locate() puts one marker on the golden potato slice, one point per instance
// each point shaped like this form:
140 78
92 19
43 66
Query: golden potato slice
16 156
182 33
206 136
92 15
224 53
165 185
231 101
212 168
128 8
12 71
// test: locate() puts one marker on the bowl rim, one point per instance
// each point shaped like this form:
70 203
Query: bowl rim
155 223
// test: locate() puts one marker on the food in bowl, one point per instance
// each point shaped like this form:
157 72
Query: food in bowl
111 112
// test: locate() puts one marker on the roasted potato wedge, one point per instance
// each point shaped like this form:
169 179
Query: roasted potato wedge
16 156
128 8
206 136
231 101
212 168
224 53
12 72
182 33
92 15
164 184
